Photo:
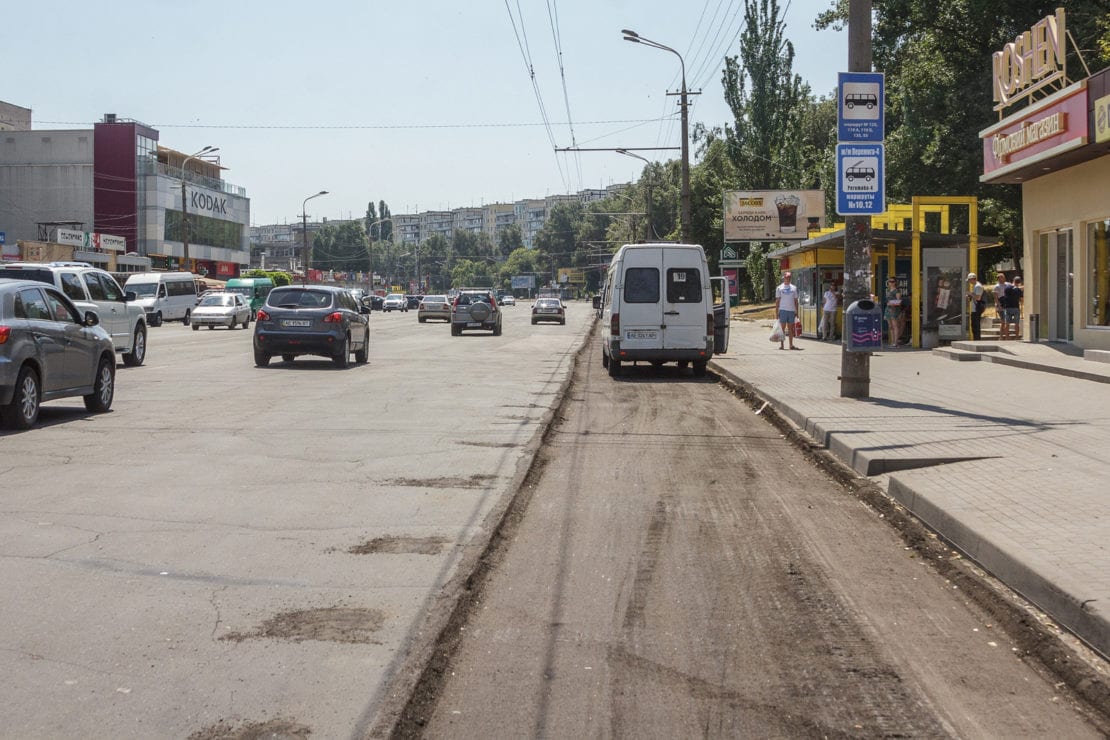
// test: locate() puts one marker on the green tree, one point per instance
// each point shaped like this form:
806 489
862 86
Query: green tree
764 140
341 247
509 240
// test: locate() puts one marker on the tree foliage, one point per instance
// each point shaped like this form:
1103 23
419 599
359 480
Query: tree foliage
341 248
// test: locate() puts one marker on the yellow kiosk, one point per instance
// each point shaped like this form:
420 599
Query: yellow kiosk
912 243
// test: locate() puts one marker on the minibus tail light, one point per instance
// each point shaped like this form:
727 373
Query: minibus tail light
615 325
5 332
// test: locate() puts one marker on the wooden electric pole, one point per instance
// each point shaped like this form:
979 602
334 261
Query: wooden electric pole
855 367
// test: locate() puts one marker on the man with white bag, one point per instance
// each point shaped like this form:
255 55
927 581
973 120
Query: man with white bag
786 308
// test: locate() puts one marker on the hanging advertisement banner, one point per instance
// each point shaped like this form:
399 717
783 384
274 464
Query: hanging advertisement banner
773 215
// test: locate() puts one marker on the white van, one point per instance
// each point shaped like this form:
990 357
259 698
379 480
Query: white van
657 306
165 296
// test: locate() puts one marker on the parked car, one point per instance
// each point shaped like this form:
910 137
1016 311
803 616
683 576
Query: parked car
222 309
49 349
548 309
312 320
92 289
395 302
434 307
475 308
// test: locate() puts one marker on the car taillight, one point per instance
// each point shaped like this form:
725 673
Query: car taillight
262 315
615 325
5 332
334 317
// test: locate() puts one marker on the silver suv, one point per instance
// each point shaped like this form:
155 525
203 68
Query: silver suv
475 308
92 289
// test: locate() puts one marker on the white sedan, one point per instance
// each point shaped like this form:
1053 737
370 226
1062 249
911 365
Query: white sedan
507 300
222 309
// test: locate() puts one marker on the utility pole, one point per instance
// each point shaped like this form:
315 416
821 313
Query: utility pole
855 367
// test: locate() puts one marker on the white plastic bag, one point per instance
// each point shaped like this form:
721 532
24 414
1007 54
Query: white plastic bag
777 334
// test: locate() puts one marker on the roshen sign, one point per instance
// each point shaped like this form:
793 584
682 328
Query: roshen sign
1036 58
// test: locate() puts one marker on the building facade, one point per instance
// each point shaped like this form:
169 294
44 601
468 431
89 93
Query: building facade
1056 148
174 212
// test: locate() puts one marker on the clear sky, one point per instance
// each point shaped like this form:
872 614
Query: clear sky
424 104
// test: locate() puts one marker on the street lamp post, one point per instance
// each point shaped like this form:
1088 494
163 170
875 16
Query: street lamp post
185 204
304 234
651 226
638 39
369 252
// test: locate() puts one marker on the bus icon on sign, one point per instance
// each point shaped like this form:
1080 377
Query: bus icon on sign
866 100
857 172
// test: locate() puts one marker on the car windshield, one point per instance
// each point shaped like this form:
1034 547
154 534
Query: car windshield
299 298
144 290
217 300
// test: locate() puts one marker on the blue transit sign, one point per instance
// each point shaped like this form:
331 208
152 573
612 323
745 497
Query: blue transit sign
859 110
860 186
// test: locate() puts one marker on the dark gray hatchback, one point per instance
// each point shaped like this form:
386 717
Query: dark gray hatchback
311 320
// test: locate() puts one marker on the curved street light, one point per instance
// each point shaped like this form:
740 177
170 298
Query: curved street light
304 234
185 205
651 226
638 39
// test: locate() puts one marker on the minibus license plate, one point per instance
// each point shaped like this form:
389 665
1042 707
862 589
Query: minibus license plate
296 322
640 334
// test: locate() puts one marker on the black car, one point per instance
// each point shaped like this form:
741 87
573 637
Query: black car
413 301
376 301
311 320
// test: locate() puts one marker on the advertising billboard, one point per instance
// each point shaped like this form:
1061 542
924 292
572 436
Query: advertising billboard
773 215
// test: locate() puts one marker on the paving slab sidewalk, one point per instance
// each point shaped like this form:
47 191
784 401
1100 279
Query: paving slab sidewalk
1010 462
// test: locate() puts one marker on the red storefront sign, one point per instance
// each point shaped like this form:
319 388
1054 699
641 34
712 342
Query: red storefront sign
1053 126
225 268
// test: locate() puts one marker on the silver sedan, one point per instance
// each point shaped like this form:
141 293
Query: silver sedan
222 309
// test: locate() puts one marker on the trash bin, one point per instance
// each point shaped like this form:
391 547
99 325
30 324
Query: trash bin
1034 327
721 319
863 324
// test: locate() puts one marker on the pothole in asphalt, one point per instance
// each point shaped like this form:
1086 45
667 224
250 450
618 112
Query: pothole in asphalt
332 624
474 481
401 546
274 729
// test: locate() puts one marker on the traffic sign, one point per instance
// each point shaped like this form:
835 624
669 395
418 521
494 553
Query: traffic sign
860 176
860 106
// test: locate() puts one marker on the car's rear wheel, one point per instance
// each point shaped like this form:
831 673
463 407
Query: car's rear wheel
196 327
534 322
247 322
342 353
231 322
604 360
188 317
699 369
135 357
261 359
614 368
210 326
23 411
157 319
421 319
104 388
497 330
456 330
362 356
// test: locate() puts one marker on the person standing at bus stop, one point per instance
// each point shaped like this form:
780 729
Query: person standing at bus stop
786 307
975 294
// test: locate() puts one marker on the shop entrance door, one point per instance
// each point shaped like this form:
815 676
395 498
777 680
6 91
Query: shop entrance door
1058 279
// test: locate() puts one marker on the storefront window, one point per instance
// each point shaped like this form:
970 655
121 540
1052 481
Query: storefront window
1098 259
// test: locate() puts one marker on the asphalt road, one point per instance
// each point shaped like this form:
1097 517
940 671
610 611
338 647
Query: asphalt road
679 569
234 549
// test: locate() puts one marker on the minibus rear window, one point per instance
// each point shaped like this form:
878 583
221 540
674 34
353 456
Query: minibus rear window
641 285
683 285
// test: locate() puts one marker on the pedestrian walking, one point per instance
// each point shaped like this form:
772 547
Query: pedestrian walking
976 294
892 311
1001 304
1017 306
786 307
828 312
